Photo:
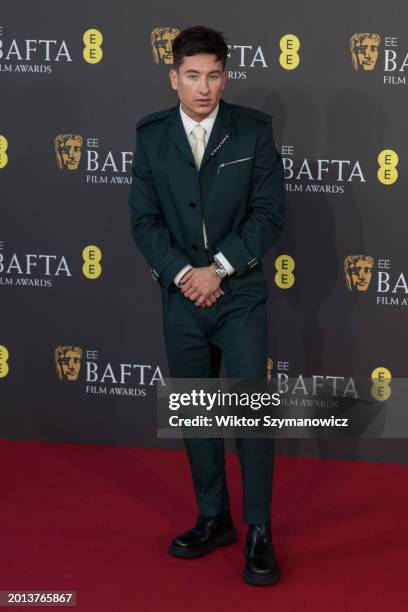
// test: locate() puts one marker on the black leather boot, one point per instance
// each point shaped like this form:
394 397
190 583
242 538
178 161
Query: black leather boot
208 533
261 566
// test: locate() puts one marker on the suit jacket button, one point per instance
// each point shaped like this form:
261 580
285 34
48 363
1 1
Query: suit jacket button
194 247
192 205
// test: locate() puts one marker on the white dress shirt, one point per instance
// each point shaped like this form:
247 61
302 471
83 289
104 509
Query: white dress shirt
207 124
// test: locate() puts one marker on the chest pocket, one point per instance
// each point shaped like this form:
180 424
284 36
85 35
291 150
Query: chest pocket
235 161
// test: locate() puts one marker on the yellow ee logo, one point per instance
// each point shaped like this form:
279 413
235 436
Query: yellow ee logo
387 172
92 51
381 389
4 367
91 267
284 277
289 45
3 149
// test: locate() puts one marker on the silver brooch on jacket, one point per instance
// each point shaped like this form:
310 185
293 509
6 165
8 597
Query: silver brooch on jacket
218 147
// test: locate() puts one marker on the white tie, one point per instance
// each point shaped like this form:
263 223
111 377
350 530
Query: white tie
199 145
198 153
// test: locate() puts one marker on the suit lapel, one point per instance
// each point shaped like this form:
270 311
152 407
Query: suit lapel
220 133
178 135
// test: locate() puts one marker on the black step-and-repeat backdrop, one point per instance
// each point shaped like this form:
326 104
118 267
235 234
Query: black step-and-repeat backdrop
81 347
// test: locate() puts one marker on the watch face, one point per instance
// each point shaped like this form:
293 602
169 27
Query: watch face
221 272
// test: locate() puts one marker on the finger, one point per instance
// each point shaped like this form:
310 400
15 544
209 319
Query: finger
188 284
189 292
201 299
185 279
193 297
185 286
187 275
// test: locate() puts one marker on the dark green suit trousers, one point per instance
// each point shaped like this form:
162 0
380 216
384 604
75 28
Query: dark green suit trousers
233 329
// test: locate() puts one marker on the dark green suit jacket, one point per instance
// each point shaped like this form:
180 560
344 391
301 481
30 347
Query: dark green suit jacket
238 192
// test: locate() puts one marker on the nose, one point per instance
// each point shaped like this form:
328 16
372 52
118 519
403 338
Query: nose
203 86
368 52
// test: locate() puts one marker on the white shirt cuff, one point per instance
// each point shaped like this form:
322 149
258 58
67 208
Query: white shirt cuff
180 275
225 263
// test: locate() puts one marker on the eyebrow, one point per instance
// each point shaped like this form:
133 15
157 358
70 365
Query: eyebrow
192 71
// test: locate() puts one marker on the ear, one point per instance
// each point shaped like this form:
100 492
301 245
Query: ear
224 78
173 78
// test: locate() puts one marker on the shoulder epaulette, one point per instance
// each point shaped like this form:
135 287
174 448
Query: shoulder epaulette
250 112
153 117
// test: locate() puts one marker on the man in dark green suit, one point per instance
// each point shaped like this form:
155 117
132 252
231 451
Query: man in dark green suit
206 204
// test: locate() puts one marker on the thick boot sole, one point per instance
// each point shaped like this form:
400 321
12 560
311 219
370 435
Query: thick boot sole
260 580
224 539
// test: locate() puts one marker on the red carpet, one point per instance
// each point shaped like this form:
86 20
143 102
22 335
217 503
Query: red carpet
98 520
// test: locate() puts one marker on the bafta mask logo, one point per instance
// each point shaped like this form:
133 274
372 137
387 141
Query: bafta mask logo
358 270
68 151
364 51
68 362
162 44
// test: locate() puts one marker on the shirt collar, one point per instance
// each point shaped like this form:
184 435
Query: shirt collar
207 123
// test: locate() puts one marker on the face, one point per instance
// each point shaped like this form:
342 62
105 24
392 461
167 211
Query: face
70 153
70 365
367 53
199 82
360 275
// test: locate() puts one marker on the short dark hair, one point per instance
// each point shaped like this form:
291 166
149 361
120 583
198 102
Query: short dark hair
199 39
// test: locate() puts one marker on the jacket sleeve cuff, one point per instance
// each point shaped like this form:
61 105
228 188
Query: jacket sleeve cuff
225 263
234 250
167 275
180 275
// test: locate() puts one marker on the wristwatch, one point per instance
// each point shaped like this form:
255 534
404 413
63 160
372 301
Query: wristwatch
219 269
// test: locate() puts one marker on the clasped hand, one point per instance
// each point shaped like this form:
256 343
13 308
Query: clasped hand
201 286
